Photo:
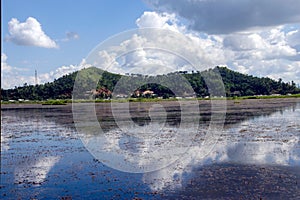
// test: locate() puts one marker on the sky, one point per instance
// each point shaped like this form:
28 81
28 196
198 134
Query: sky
55 37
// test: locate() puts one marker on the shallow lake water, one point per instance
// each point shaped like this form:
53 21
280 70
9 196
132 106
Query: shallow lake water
256 155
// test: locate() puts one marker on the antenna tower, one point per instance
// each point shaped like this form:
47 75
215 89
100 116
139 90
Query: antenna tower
36 80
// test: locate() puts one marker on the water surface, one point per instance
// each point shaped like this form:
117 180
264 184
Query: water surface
257 156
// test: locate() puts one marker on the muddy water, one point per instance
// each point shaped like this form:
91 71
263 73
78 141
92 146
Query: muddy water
257 155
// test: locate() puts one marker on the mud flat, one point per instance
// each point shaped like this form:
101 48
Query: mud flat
238 181
235 110
256 156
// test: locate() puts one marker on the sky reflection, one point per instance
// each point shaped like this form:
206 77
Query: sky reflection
41 148
266 140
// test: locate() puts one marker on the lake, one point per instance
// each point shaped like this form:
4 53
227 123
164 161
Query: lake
154 150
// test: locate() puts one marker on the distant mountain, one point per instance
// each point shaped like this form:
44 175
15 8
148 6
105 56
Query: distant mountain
186 84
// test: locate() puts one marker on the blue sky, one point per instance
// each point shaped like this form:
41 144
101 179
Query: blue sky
261 38
92 20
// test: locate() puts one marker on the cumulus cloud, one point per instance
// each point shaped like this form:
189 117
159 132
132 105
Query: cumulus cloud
10 76
152 19
293 39
59 72
29 33
63 70
227 16
165 48
13 76
268 52
272 52
159 20
4 65
263 45
244 42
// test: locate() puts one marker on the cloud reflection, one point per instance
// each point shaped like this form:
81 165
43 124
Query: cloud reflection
35 172
272 140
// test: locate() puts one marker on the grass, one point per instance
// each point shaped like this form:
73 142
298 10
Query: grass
265 97
66 101
55 102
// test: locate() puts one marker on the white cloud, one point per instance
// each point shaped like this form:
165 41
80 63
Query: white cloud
264 45
10 76
166 47
159 20
63 70
293 39
244 42
268 52
4 66
29 33
227 16
252 37
262 52
13 76
272 52
59 72
152 20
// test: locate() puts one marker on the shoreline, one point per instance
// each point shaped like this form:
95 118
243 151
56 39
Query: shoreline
67 101
230 102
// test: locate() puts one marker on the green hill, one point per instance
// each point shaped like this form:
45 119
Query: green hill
236 84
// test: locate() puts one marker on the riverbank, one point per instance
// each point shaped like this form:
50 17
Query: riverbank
68 101
237 102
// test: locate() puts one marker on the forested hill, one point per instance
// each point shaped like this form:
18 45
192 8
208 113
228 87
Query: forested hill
236 84
249 85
